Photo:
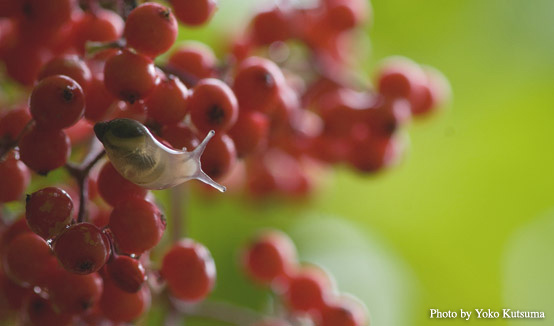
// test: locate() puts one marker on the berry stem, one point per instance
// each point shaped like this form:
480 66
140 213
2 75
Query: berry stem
178 210
217 310
8 146
186 78
80 172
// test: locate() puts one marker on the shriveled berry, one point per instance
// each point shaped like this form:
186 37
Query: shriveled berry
189 270
137 225
57 102
150 29
48 211
127 273
82 249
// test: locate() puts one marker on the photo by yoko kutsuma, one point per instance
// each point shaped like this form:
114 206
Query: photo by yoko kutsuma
360 163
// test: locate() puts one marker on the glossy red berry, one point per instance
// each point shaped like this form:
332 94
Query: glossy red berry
48 211
219 157
57 102
99 101
127 273
130 76
114 188
44 150
168 102
150 29
270 256
257 84
213 106
82 249
74 293
121 306
189 270
71 66
15 178
25 259
137 225
193 12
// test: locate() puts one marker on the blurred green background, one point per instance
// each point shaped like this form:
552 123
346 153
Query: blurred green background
463 222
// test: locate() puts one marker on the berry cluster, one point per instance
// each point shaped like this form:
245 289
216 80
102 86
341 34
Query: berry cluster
281 102
306 290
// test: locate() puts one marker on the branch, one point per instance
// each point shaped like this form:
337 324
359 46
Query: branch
218 310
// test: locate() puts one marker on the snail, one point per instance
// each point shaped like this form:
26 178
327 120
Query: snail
143 160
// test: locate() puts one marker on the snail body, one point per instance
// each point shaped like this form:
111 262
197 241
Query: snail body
143 160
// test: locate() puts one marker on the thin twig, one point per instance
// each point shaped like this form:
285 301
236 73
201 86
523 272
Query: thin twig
218 310
7 147
178 198
80 172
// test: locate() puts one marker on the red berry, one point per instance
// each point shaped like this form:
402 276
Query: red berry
114 188
49 211
100 26
180 136
257 84
15 178
373 153
213 106
82 249
12 296
74 293
343 312
130 76
308 290
219 157
189 270
71 66
25 259
250 133
150 29
270 256
400 77
12 123
167 104
193 12
120 306
270 26
194 60
127 273
57 102
44 150
137 225
39 311
13 230
99 101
